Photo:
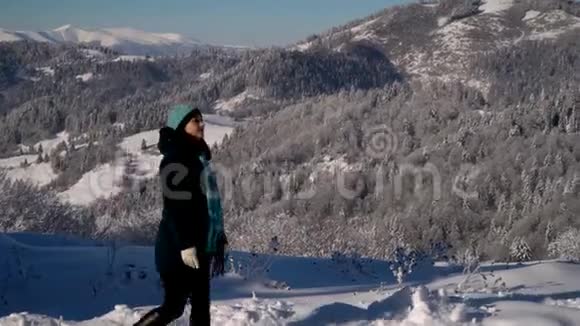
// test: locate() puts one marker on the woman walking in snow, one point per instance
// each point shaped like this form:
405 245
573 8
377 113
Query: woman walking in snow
190 244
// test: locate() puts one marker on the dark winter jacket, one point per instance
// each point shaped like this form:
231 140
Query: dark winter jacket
185 219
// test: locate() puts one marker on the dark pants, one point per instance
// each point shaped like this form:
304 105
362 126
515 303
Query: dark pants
185 283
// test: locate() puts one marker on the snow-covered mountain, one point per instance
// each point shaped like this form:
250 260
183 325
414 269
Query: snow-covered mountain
126 40
445 39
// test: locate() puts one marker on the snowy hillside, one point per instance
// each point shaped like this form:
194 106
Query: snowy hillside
235 102
126 40
443 43
105 180
105 285
25 167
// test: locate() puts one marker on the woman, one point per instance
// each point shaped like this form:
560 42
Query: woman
191 239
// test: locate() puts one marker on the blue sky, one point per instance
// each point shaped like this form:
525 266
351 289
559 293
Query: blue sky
234 22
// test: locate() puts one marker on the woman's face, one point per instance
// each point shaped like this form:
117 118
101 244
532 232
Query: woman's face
195 127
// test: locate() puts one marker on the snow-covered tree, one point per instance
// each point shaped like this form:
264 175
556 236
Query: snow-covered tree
520 250
549 233
566 246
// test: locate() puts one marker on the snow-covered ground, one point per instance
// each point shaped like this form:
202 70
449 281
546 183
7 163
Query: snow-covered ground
15 161
303 46
495 6
132 58
531 14
7 36
363 26
132 144
205 75
38 173
85 77
101 182
48 144
235 102
47 71
551 24
55 280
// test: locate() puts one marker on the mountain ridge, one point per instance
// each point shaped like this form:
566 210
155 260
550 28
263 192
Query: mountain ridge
127 40
449 36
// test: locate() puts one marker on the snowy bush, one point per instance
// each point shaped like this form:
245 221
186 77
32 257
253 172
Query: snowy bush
255 265
475 279
566 246
469 259
405 260
484 282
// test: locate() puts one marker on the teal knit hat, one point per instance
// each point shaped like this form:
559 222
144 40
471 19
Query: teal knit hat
179 115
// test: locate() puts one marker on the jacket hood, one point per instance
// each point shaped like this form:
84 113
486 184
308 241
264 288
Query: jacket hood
173 142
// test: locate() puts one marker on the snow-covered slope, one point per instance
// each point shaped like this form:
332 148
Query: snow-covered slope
48 145
90 285
132 58
495 6
105 180
37 173
551 24
113 36
7 36
85 77
24 167
16 161
443 43
126 40
101 182
236 101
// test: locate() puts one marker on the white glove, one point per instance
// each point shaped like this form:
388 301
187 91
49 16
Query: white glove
189 257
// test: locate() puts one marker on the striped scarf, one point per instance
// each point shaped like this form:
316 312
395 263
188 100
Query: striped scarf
214 206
